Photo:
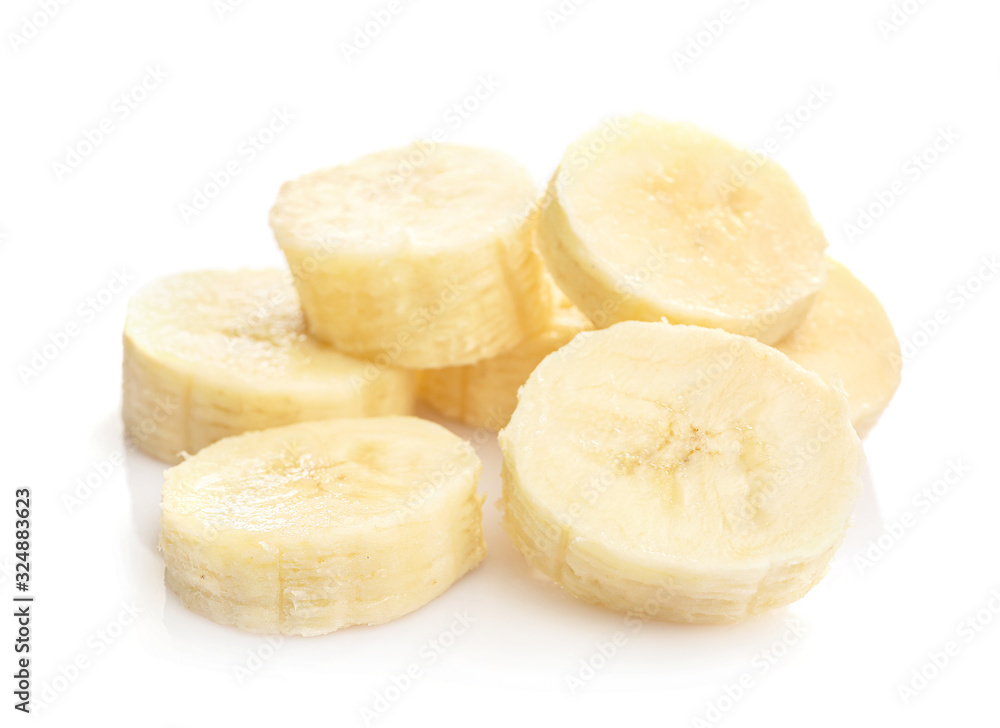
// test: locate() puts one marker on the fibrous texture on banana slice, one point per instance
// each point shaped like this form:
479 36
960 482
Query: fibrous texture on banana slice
211 354
679 472
484 394
312 527
416 258
646 220
848 340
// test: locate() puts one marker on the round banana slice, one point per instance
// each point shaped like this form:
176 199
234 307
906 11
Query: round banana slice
646 220
680 472
312 527
416 258
484 394
848 340
211 354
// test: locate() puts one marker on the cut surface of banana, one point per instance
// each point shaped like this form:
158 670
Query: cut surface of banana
679 472
848 340
416 258
312 527
210 354
646 219
484 394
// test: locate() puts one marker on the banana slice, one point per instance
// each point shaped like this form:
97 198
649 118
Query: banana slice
416 259
848 340
215 353
484 394
682 472
645 223
312 527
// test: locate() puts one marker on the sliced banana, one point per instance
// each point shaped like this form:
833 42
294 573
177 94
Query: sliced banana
848 340
682 472
484 394
211 354
416 259
646 223
312 527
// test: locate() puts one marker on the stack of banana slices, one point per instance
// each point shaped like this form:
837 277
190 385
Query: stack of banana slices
679 375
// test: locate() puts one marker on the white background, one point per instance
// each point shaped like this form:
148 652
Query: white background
64 235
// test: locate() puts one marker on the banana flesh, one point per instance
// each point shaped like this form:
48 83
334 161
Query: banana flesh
683 472
211 354
648 225
484 394
417 264
312 527
848 340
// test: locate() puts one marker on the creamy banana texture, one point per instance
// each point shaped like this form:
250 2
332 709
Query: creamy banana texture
659 456
484 394
313 527
651 227
211 354
848 340
670 469
431 252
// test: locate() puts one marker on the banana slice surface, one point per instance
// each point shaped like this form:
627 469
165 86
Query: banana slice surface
312 527
423 258
210 354
679 471
848 339
666 220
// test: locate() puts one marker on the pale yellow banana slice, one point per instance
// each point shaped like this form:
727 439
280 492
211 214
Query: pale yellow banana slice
484 394
645 220
211 354
416 259
679 472
312 527
848 340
